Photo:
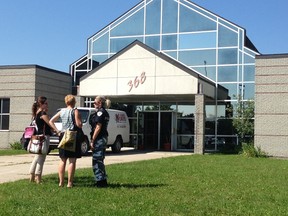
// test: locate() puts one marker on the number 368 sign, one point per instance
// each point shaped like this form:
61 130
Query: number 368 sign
138 80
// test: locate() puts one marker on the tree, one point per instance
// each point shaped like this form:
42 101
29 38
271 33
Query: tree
243 120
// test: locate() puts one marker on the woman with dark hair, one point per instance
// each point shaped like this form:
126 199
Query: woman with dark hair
39 114
70 117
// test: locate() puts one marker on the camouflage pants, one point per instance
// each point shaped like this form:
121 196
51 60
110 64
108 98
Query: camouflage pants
98 159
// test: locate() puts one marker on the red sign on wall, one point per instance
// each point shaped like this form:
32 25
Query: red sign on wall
139 80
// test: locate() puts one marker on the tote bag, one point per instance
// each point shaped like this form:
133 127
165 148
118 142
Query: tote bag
68 141
38 144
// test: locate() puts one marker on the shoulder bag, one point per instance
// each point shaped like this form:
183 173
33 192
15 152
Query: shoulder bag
38 144
68 141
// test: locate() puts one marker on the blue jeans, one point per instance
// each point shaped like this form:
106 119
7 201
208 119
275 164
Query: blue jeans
98 159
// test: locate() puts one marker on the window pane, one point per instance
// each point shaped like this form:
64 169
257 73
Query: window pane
153 42
197 40
101 44
207 71
153 17
133 126
150 106
210 111
192 21
221 111
185 126
248 91
84 115
6 106
134 25
227 37
241 36
232 89
227 56
169 42
170 17
210 127
186 110
167 106
249 73
248 59
225 127
120 43
198 57
4 122
130 109
100 58
185 142
172 54
227 74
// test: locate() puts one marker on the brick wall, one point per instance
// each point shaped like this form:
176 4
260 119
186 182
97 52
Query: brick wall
271 104
22 84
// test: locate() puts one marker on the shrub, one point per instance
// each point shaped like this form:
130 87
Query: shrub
249 150
16 145
229 148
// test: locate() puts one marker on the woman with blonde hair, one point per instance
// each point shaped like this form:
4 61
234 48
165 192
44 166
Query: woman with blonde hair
70 117
99 134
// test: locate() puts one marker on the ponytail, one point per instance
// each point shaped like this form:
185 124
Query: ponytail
34 109
35 106
107 103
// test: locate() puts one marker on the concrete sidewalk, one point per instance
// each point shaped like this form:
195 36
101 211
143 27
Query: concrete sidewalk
16 167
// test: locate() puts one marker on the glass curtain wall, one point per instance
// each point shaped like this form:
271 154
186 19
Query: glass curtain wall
203 41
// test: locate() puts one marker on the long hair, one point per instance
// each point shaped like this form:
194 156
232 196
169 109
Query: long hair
40 100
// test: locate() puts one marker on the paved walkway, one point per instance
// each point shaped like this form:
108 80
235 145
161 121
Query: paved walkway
16 167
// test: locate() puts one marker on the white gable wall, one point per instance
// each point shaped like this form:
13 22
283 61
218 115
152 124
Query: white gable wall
138 72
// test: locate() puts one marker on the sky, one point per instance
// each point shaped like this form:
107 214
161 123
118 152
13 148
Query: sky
54 33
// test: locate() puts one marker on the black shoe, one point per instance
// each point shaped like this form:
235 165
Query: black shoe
102 184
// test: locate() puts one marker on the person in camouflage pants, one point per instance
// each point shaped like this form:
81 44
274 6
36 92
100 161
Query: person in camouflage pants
99 123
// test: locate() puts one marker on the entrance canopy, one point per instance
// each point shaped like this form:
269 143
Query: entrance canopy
139 73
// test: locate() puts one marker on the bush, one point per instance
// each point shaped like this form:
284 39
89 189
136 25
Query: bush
16 145
249 150
229 148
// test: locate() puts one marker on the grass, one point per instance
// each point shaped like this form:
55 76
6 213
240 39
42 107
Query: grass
12 152
183 185
6 152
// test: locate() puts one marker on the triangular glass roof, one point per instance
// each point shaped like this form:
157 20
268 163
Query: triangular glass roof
188 33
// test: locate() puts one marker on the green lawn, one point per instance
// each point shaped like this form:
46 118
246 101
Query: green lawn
12 152
183 185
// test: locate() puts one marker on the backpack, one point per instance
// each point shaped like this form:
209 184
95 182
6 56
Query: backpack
28 132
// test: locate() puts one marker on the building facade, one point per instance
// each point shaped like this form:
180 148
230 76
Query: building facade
271 99
19 87
203 42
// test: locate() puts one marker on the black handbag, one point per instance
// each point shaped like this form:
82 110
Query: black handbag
80 137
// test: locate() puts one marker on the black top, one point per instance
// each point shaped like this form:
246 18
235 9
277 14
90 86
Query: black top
100 116
40 124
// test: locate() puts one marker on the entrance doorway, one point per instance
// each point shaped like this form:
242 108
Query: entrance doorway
158 130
